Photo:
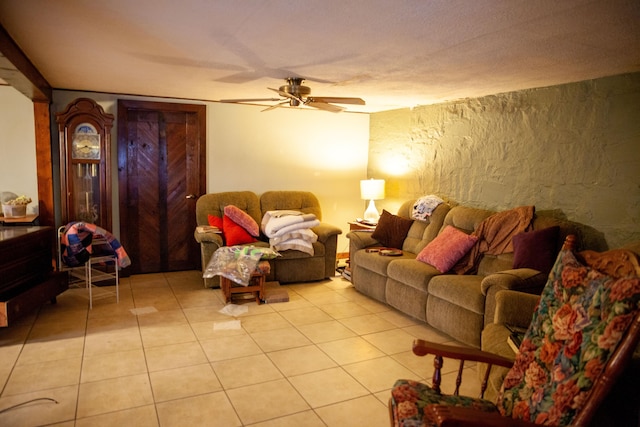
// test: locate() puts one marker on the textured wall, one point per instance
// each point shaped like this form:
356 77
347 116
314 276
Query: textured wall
573 147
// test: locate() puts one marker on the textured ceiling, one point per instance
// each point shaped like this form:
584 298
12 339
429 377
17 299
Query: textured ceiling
392 54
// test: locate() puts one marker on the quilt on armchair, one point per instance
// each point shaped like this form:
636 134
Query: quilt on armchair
580 321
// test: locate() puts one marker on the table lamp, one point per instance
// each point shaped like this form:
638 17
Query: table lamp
372 189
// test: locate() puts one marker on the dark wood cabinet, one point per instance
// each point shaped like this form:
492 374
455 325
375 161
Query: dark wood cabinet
27 276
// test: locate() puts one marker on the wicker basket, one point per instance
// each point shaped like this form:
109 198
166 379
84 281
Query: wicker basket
14 211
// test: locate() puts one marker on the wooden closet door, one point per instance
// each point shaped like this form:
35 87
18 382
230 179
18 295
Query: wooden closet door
161 168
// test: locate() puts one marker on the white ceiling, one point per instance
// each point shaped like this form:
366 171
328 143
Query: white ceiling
392 53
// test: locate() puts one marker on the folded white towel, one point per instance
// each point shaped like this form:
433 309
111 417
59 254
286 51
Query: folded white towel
273 222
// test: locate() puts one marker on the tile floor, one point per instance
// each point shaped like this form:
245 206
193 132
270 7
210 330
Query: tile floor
161 357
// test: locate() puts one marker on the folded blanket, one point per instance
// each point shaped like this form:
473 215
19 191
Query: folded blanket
494 236
284 212
76 244
295 244
302 234
294 227
273 222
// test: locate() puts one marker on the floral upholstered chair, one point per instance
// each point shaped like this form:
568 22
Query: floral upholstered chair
582 335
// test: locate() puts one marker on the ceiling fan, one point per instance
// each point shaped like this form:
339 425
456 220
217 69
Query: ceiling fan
295 94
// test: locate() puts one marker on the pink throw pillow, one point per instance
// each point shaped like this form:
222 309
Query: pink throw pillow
243 219
447 248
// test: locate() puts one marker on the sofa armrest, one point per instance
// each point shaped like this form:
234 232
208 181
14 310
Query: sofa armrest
324 231
522 279
360 240
208 237
515 308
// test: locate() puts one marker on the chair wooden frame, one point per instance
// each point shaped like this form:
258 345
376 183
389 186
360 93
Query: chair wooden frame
616 263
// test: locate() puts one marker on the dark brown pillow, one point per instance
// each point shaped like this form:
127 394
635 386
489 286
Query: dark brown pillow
391 230
536 249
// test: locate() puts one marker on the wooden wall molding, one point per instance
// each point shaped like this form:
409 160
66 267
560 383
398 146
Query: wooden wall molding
17 70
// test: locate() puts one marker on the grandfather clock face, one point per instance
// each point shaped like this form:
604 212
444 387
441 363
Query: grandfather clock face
85 143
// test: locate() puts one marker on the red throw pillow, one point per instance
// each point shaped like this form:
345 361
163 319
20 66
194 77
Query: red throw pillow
391 230
215 221
234 234
447 248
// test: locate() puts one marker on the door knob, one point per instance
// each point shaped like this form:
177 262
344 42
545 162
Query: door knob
191 196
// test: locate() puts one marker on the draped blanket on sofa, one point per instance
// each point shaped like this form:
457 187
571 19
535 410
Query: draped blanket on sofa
495 236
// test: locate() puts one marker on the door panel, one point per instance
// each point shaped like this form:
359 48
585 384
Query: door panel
161 150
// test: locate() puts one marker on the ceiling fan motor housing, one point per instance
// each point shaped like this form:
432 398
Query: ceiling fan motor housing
295 88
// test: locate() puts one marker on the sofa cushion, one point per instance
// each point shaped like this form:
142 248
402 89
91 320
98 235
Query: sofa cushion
214 203
490 264
447 248
303 201
375 262
460 290
495 236
243 219
318 251
411 273
536 249
423 232
391 230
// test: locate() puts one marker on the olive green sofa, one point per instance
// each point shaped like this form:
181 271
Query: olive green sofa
458 305
291 265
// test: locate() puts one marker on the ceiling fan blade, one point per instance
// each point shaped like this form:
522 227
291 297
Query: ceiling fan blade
324 106
273 107
249 100
338 100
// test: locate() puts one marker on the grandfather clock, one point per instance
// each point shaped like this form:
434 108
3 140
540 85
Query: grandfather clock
85 162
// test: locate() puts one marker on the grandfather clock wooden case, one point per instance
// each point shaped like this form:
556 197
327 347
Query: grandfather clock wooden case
85 163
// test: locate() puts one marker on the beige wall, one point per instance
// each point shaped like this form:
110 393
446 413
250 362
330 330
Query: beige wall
574 147
18 172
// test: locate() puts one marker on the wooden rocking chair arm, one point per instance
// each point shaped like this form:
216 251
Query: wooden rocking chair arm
422 348
456 416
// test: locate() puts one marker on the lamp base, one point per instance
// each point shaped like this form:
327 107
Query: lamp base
371 214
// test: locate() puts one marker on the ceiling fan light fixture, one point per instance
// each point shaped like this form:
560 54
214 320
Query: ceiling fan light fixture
296 94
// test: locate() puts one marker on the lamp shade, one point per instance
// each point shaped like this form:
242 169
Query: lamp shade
372 189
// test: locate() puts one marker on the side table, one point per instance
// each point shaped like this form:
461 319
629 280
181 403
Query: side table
355 226
359 226
256 286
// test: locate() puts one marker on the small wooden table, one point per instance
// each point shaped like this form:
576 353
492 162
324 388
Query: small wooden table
256 286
